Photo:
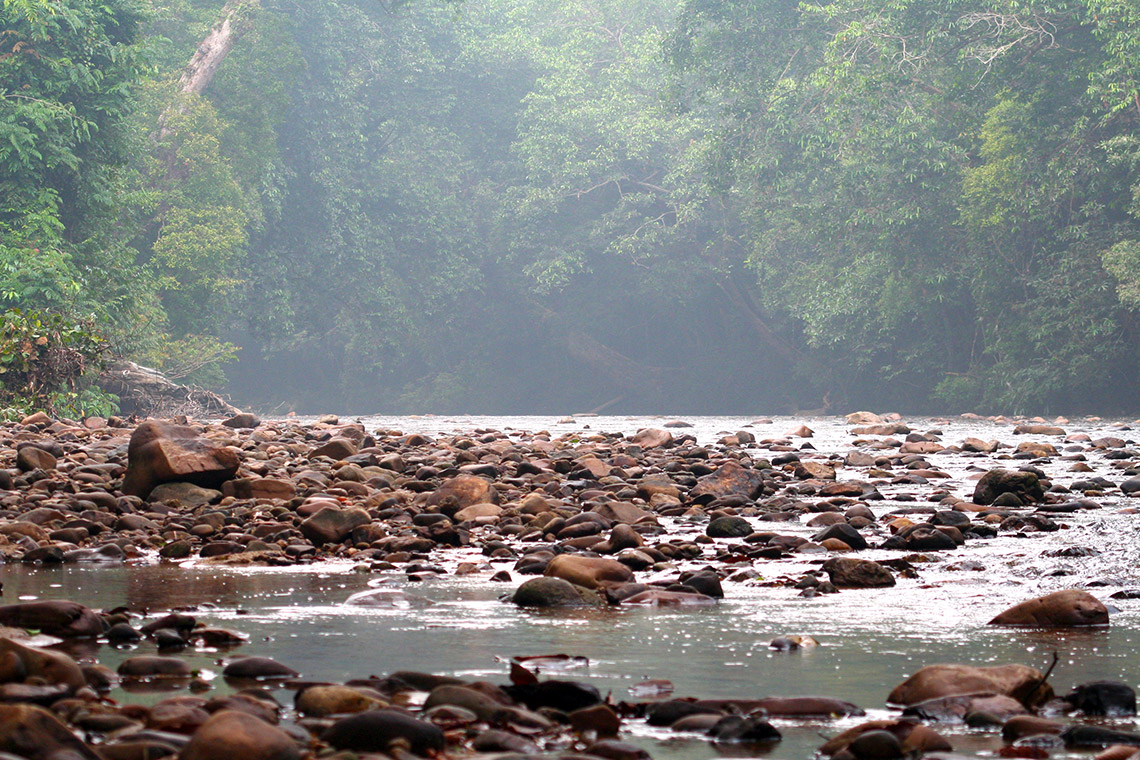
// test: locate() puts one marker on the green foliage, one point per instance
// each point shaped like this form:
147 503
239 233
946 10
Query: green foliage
49 361
192 359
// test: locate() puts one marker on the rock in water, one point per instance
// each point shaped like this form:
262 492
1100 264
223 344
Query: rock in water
230 734
1024 485
1068 608
163 453
1023 683
847 572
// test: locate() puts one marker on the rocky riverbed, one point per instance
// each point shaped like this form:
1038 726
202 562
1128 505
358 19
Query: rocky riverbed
1020 530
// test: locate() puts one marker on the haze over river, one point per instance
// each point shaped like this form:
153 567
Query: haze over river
869 640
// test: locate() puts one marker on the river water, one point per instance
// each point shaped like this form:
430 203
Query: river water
870 640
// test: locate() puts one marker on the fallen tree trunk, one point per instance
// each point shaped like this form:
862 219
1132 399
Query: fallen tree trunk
146 392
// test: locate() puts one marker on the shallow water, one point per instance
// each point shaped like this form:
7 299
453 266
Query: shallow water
870 640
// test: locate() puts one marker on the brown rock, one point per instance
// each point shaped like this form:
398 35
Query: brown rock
848 572
730 479
21 661
914 737
259 488
1023 683
1021 726
55 618
230 734
162 453
652 438
331 525
335 448
36 734
335 699
463 491
30 458
1061 609
588 572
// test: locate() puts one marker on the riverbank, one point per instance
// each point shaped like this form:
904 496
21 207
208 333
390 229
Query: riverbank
573 492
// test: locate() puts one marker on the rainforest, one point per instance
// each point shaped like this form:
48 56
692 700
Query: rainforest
525 206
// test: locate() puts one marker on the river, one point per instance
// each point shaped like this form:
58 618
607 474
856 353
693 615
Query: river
869 640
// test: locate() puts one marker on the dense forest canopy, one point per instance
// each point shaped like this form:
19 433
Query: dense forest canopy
512 206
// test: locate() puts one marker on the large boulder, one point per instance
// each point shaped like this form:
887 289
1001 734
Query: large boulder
230 734
730 479
1025 684
333 699
55 618
160 452
588 572
1061 609
848 572
1024 485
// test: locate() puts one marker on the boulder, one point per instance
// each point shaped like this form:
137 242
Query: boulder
159 452
652 438
55 618
1111 699
335 699
335 449
1023 683
848 572
1024 485
260 668
379 730
242 420
34 733
914 738
30 458
728 526
552 592
463 491
588 572
19 662
730 479
231 734
844 532
154 666
331 525
1061 609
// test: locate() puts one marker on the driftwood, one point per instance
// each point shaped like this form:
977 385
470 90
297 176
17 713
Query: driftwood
146 392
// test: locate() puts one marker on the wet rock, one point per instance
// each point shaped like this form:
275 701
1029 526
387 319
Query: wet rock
331 525
242 420
652 438
1097 736
566 696
34 733
848 572
876 745
260 668
1020 726
616 750
659 597
335 448
844 533
494 740
730 479
1111 699
745 730
162 453
728 526
597 720
55 618
231 734
1068 608
914 737
1023 683
463 491
668 713
19 662
29 458
152 666
1024 485
334 699
588 572
955 709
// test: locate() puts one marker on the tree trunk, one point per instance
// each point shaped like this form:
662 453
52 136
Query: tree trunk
211 52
